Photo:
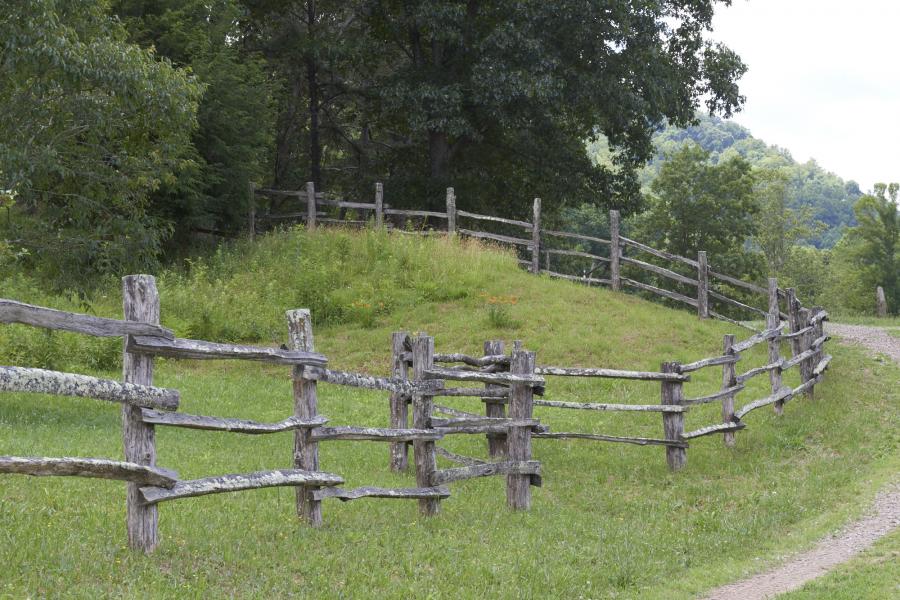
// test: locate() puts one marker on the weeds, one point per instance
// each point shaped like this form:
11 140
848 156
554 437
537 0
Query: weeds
499 311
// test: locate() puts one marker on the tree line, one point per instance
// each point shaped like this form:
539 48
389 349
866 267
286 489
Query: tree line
749 221
131 126
129 129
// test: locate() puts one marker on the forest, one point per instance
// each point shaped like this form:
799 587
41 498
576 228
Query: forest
131 130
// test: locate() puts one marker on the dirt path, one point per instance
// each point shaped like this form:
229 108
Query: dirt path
855 537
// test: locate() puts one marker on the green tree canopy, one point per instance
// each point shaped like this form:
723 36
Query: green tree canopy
492 98
89 126
874 244
778 226
695 206
231 145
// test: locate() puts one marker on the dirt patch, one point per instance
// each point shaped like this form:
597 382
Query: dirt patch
883 517
875 339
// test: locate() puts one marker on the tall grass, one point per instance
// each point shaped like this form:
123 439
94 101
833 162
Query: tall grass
343 277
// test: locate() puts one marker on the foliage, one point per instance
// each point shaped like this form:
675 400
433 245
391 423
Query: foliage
778 227
810 271
812 192
235 116
698 206
90 126
492 98
873 246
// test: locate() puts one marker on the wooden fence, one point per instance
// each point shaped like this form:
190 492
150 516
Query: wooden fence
618 262
145 407
507 383
807 352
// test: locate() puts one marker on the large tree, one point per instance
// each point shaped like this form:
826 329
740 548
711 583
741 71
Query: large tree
779 227
874 244
90 126
495 98
695 206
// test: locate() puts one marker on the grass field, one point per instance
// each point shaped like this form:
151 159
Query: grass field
610 520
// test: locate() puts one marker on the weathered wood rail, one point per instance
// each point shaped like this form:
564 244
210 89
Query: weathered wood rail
147 407
807 348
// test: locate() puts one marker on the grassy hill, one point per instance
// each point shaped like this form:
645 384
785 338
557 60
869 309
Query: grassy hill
610 520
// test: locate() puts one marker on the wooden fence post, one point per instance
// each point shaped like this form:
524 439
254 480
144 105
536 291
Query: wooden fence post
451 211
310 205
702 285
494 407
880 303
672 392
521 404
536 237
306 450
729 380
251 211
379 205
817 332
773 319
807 365
399 402
140 301
614 246
424 450
793 313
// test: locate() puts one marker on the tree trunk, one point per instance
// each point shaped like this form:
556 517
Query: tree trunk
438 154
284 140
312 80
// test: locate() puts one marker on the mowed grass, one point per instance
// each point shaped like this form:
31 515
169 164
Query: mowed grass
609 521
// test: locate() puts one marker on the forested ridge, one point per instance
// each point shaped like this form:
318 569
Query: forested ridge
829 197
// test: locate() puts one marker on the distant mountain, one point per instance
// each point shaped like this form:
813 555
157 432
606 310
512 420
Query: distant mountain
830 197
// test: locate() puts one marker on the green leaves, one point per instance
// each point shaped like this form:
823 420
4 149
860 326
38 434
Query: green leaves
874 244
89 127
699 206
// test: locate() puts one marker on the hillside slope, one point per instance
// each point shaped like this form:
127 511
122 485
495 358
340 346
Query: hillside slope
362 286
609 521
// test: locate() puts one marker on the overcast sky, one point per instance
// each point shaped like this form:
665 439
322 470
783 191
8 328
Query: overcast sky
823 80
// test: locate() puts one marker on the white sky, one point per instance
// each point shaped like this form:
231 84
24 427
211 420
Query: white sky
823 80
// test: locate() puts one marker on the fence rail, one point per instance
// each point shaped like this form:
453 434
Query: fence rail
807 344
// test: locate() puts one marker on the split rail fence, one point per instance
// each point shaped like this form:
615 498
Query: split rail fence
618 262
506 382
145 407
